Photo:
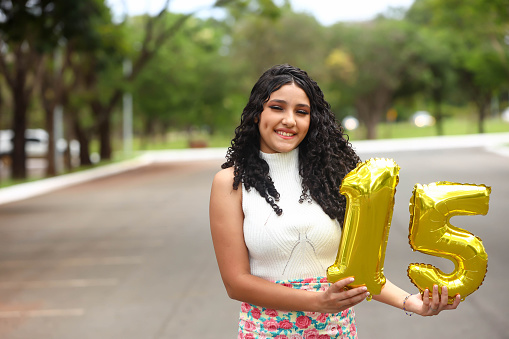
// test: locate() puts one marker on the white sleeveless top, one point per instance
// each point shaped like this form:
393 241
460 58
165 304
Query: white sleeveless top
302 242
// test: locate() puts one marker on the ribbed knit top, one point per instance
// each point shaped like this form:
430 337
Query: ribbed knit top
302 242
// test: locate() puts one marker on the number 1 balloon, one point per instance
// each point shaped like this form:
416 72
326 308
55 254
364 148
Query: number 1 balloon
369 190
431 208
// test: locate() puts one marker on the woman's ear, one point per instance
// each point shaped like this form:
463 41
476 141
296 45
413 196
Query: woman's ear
256 120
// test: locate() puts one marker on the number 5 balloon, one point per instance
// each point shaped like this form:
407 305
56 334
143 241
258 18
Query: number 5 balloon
369 190
431 207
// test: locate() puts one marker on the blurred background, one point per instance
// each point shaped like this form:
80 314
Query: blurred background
94 81
143 97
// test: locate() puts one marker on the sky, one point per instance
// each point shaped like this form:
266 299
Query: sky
326 11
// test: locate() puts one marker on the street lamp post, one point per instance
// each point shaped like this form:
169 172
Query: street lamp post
127 112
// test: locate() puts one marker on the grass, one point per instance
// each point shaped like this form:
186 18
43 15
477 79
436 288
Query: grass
450 126
6 182
182 140
384 131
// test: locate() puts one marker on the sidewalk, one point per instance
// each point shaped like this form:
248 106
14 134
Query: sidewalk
496 142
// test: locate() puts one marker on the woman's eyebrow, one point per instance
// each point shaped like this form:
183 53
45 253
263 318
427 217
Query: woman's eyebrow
284 102
303 105
279 100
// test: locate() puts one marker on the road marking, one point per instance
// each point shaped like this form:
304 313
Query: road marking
102 261
71 245
128 243
76 312
133 260
58 283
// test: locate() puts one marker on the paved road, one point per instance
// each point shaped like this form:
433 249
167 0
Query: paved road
129 256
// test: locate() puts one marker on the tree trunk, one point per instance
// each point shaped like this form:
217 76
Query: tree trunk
371 107
104 137
165 126
25 63
439 116
103 122
1 117
148 131
483 104
19 123
84 144
69 136
439 120
367 116
50 155
371 125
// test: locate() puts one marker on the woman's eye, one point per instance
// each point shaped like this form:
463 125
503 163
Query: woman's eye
302 112
278 108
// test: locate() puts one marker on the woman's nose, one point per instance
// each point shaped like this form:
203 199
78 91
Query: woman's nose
289 119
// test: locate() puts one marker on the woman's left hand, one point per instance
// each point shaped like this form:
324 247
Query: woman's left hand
426 306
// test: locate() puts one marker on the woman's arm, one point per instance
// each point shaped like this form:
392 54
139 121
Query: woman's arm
226 224
425 305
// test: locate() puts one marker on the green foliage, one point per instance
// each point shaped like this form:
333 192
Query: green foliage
184 84
447 57
261 42
475 33
239 9
45 23
368 64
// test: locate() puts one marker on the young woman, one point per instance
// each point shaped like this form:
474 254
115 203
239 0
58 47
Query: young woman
276 215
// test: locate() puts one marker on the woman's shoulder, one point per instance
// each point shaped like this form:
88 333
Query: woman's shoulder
224 177
222 186
223 181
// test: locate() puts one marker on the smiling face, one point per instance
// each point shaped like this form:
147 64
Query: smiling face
284 121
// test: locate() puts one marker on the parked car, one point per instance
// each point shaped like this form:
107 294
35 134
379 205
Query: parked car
36 143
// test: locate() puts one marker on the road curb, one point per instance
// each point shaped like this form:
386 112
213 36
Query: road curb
34 188
496 142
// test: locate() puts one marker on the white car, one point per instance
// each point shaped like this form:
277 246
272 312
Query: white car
36 143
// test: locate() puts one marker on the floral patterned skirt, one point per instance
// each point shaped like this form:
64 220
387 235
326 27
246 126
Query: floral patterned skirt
260 323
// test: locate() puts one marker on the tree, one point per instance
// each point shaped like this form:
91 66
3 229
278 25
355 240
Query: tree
63 75
158 31
476 31
29 31
378 55
432 76
188 80
97 75
260 42
181 91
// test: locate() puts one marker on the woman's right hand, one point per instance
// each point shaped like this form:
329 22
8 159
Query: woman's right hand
337 298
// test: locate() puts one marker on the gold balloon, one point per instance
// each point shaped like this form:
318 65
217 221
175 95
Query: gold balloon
369 190
431 207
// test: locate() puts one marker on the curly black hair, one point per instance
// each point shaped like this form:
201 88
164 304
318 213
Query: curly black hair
325 154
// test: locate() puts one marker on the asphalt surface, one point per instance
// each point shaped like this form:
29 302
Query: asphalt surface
128 254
